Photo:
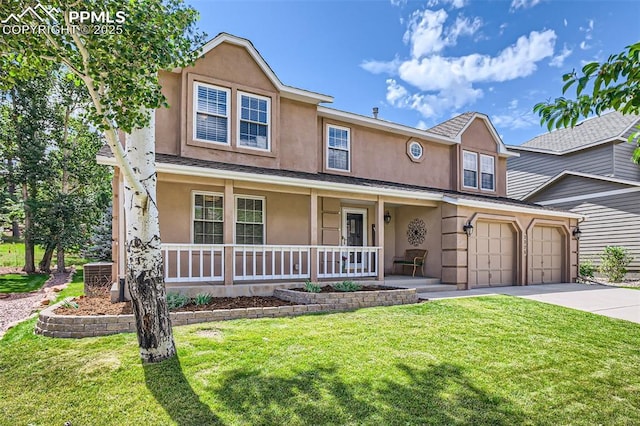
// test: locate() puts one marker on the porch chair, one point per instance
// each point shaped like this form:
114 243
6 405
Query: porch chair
413 257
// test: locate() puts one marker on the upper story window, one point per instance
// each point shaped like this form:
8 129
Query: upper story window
208 216
415 150
338 148
253 116
211 118
249 220
487 173
470 169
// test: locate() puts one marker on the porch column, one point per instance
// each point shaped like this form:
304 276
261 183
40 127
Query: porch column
313 235
229 205
380 236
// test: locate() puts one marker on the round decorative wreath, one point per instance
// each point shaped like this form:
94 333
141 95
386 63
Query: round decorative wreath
416 232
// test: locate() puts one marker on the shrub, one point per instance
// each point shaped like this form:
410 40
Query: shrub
312 287
176 300
587 269
70 305
347 286
202 299
615 260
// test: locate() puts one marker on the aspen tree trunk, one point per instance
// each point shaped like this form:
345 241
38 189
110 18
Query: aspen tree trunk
145 272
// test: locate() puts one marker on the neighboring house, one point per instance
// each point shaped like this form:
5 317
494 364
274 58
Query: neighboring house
588 170
260 186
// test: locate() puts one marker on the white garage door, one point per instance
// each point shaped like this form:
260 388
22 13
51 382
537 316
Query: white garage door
491 255
546 256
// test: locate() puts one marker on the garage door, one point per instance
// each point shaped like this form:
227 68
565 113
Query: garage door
491 255
546 255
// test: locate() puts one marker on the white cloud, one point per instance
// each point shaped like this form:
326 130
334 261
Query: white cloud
565 22
524 4
516 119
455 4
398 2
558 60
424 32
381 67
432 83
427 34
422 125
513 104
588 35
395 92
503 27
519 60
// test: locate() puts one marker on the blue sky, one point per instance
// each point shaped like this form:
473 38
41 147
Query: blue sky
424 62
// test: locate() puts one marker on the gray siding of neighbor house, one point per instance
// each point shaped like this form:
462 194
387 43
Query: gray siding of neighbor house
573 186
611 220
531 169
624 167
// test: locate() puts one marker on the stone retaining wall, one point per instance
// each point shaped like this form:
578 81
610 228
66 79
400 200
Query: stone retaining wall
51 324
351 300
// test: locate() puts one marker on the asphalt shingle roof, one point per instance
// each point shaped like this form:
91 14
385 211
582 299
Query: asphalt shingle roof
325 177
592 130
452 127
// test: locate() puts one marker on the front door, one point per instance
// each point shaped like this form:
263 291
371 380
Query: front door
354 233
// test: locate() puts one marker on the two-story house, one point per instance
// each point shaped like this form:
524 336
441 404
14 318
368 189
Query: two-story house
586 169
260 186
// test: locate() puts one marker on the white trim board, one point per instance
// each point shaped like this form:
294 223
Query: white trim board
582 175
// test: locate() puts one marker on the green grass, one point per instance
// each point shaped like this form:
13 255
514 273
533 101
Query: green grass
492 360
18 283
12 254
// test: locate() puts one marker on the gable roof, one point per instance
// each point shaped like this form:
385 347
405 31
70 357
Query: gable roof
288 92
565 173
590 132
453 126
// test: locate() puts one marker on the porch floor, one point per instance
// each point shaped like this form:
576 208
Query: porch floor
421 284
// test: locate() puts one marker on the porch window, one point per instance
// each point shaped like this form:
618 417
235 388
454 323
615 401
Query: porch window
211 113
487 173
470 169
253 115
249 220
208 217
338 148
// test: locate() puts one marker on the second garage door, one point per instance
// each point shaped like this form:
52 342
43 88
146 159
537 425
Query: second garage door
546 255
492 255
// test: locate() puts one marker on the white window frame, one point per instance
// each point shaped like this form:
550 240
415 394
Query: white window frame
348 150
493 173
264 217
268 124
421 150
193 213
475 154
196 111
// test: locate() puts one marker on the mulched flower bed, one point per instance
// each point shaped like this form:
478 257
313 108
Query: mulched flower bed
330 289
103 306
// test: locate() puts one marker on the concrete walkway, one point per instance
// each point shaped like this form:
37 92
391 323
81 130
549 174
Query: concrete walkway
622 303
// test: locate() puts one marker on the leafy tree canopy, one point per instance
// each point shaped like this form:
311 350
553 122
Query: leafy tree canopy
613 84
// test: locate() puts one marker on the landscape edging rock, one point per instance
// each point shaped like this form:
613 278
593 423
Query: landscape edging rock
51 324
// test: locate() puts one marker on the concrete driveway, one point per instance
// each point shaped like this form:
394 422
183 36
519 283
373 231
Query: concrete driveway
622 303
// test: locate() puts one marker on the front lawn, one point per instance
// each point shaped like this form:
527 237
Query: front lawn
19 283
491 360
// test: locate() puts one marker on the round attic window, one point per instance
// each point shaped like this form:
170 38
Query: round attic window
415 150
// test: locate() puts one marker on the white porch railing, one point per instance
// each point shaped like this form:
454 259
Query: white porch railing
193 262
206 263
271 262
345 262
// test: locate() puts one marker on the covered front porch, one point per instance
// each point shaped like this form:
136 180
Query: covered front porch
242 237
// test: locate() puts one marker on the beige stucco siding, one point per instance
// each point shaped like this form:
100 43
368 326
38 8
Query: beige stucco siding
383 156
